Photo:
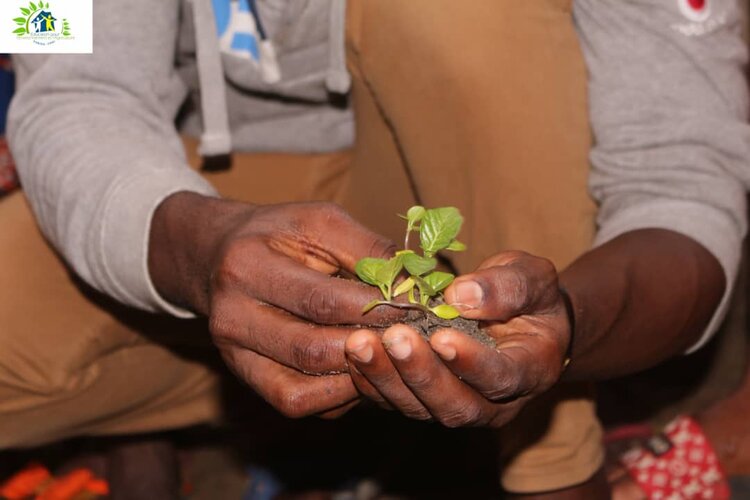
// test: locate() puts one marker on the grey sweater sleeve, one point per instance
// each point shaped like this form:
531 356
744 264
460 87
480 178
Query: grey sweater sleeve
669 105
96 146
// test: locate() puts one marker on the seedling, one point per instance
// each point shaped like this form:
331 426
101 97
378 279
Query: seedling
437 228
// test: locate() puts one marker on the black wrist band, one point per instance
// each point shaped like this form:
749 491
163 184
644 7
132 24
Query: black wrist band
572 322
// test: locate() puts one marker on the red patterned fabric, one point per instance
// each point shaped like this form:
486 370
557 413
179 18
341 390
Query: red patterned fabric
8 176
678 465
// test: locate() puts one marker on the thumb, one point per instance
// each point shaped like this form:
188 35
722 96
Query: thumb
499 293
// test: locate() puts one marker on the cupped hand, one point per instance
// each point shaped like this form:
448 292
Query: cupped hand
456 380
266 278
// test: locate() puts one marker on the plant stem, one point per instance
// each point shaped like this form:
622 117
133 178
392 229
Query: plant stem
402 305
424 299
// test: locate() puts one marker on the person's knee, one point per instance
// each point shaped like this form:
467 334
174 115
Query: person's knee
31 395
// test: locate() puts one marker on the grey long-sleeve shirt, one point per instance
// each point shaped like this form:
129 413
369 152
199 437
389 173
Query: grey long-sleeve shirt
97 149
669 109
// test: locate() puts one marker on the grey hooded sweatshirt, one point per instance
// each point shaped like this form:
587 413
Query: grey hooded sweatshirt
96 145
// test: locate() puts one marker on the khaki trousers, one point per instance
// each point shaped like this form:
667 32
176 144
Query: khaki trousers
480 105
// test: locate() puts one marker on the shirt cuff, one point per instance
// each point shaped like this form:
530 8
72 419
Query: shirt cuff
714 229
122 250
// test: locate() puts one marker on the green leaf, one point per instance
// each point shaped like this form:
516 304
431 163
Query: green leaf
33 6
415 214
20 31
386 275
412 299
438 281
47 5
20 20
456 246
425 289
25 11
418 265
405 286
439 228
368 268
445 311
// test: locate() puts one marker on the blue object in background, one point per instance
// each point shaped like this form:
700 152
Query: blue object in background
7 83
263 484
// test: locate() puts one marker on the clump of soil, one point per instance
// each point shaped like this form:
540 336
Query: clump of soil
427 324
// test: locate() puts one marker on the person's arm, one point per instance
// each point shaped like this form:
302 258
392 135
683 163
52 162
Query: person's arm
668 99
639 299
96 147
668 110
102 163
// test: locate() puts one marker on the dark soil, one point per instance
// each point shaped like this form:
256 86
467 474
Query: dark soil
427 324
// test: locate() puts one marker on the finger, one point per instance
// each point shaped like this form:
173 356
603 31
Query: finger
338 412
448 399
292 393
360 351
278 335
277 279
522 285
368 356
347 240
364 386
319 234
498 374
367 390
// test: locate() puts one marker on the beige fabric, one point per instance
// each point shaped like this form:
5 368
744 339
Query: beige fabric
483 106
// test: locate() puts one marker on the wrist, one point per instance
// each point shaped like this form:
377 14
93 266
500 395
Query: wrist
187 229
571 315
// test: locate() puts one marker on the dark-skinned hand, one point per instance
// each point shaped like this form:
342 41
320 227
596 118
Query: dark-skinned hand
454 379
264 276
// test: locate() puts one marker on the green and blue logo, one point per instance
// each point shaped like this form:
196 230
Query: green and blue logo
40 24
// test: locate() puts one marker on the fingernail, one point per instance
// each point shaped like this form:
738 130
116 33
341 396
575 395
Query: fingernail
468 294
399 347
445 351
362 353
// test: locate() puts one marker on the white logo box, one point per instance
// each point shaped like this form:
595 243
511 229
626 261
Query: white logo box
46 26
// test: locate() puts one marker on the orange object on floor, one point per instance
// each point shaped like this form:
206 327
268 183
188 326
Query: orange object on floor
25 483
35 481
98 487
68 486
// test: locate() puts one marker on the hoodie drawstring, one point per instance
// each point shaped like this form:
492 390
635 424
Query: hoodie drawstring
338 80
217 138
269 63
